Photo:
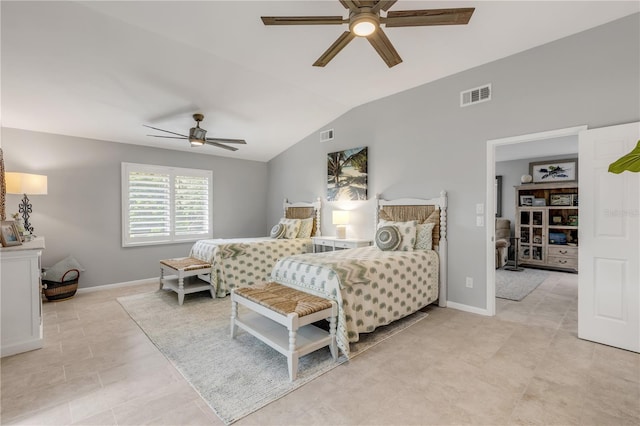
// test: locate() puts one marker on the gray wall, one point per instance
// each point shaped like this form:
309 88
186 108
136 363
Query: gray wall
81 213
421 141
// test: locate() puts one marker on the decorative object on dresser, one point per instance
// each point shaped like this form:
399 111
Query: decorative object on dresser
26 184
9 235
340 218
347 175
548 234
554 170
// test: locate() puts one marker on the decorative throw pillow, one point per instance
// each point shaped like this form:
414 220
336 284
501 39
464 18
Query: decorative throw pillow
387 238
56 272
278 231
407 233
424 236
293 226
306 228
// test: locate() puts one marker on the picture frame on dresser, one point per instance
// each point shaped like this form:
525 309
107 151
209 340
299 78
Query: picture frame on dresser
9 234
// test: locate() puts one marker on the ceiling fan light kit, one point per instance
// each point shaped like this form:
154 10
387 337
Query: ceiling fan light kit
365 21
363 24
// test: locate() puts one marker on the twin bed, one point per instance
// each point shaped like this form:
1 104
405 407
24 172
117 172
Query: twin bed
240 262
372 287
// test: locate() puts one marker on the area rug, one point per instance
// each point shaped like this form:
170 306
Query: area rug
234 376
516 285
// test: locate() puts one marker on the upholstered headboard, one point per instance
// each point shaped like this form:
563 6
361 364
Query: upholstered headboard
304 210
406 209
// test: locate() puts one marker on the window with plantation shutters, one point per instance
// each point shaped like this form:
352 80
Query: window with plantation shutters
165 204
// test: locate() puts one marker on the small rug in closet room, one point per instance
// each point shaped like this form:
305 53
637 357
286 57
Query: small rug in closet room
234 376
516 285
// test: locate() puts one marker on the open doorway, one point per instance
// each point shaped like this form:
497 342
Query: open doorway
510 158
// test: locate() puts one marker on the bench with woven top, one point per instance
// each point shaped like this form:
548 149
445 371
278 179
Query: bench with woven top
181 268
274 306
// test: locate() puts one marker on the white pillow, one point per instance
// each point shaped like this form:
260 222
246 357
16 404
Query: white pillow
407 233
293 227
424 236
306 228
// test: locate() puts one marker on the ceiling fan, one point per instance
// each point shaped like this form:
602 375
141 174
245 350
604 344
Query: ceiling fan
197 136
365 20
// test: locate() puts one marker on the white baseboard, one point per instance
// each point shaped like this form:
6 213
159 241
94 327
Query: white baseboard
117 285
467 308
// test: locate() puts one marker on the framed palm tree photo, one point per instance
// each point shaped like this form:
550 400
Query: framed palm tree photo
347 175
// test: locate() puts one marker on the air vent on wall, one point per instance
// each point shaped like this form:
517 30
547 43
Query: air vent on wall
476 95
326 135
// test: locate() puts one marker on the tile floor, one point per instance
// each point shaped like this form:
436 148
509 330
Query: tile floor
524 366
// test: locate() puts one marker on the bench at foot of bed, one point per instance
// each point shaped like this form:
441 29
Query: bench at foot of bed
274 306
181 268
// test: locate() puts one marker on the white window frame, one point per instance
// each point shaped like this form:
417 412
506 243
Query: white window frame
172 172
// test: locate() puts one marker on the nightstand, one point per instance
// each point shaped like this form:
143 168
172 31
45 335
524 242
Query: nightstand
333 243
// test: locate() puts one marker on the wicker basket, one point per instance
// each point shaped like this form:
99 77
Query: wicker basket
54 290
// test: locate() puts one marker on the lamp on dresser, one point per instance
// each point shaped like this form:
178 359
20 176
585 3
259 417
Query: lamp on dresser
26 184
341 220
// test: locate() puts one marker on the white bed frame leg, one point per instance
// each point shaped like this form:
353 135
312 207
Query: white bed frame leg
442 251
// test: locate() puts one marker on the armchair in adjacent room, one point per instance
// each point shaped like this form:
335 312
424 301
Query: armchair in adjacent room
503 233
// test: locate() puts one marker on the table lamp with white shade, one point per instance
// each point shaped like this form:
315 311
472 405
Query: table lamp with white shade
26 184
341 220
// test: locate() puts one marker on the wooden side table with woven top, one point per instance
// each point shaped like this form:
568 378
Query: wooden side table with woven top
181 268
274 306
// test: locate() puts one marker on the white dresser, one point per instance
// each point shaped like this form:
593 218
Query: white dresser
20 297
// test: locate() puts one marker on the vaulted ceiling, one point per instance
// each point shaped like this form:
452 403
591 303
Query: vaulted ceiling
103 69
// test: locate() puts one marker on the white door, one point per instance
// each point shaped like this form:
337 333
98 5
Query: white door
609 239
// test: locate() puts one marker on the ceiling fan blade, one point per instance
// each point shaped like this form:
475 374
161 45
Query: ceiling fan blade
385 49
219 145
383 5
167 131
334 49
303 20
239 141
167 137
419 18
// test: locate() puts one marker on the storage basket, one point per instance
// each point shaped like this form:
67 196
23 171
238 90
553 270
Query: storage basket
54 290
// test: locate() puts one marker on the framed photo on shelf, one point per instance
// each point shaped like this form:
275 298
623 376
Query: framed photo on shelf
538 202
526 200
554 171
561 199
9 235
572 220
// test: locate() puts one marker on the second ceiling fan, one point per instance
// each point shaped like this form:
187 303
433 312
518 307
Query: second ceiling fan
365 21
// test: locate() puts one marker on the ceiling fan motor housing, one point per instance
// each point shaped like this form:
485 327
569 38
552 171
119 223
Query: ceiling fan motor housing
197 133
364 20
